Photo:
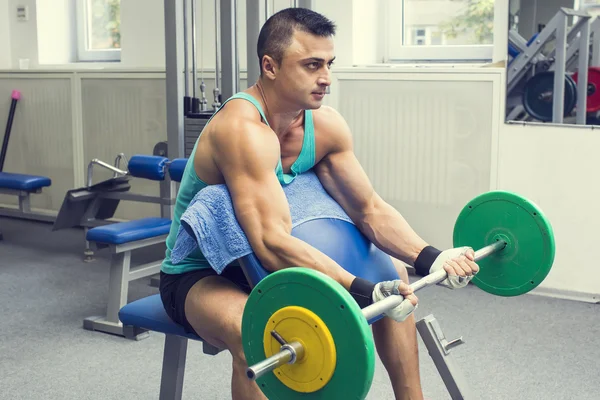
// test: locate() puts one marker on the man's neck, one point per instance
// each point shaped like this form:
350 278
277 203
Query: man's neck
281 117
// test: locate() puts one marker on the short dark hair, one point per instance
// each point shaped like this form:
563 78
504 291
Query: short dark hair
276 34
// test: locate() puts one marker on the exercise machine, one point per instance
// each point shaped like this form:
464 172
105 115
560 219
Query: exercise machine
15 184
540 84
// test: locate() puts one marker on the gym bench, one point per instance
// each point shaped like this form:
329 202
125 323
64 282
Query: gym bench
22 186
121 239
148 313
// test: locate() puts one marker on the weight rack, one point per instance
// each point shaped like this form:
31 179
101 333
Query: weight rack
572 50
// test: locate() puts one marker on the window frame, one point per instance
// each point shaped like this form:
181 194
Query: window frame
432 53
83 23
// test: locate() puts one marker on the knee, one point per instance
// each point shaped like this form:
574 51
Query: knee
401 268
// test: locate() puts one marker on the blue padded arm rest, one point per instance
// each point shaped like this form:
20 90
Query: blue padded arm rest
176 168
343 243
148 167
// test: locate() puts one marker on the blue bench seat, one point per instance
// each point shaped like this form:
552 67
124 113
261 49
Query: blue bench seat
149 313
28 183
122 238
131 231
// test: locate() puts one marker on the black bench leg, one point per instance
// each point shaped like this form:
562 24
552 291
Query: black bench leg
173 368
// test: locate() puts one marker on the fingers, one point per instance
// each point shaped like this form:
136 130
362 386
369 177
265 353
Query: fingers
470 254
408 293
413 299
405 289
461 266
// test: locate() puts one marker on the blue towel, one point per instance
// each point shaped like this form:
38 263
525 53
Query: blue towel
210 223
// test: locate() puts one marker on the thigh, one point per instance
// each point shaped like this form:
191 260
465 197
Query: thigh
214 307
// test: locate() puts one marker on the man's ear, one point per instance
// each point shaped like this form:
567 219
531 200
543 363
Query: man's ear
269 67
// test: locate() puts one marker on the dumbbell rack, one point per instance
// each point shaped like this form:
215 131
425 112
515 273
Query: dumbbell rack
571 51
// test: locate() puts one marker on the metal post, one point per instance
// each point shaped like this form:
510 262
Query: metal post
304 4
173 368
195 100
174 78
185 49
595 30
582 68
217 90
558 103
229 56
438 348
256 16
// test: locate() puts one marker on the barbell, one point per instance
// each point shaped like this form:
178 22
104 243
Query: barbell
304 335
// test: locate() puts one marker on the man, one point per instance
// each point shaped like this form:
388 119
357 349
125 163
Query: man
260 140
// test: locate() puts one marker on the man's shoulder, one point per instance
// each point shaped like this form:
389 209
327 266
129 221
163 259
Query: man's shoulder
237 116
331 128
237 128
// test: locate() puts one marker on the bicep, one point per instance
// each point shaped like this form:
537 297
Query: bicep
247 164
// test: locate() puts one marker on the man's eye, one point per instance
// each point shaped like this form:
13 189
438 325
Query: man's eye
313 65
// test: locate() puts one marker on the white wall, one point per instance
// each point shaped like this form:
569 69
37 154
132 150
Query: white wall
5 50
143 33
556 167
365 36
56 31
23 35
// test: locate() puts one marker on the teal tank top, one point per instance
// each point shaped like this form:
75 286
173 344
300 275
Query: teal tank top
191 184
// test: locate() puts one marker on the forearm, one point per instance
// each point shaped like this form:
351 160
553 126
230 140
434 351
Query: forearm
288 251
387 229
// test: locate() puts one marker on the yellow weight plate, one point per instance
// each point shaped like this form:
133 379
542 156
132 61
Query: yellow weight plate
314 370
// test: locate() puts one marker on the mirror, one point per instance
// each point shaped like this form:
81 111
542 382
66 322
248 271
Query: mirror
553 68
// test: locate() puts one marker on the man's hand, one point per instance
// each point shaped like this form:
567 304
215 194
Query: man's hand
396 287
460 265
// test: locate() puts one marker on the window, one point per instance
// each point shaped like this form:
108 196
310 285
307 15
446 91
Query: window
99 30
439 30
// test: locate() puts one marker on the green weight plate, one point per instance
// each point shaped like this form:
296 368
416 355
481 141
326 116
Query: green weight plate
303 287
527 259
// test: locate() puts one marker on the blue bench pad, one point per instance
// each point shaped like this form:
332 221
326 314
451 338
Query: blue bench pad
27 183
176 169
131 231
148 167
149 313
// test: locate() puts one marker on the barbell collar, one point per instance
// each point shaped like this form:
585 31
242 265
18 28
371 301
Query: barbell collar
380 307
289 354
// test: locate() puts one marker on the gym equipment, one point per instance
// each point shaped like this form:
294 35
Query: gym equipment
20 185
331 236
538 96
517 255
529 253
161 149
121 239
571 52
196 118
15 96
94 204
593 89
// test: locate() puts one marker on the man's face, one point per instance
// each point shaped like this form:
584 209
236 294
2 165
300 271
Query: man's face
304 73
